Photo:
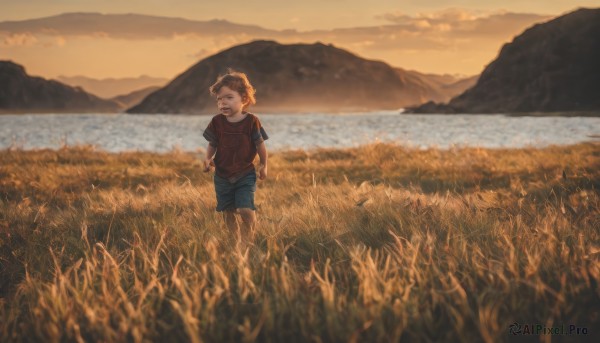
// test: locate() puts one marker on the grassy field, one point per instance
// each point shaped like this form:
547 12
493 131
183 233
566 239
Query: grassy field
378 243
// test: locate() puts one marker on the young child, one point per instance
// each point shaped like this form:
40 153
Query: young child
235 137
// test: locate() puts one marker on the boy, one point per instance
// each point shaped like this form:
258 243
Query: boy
236 136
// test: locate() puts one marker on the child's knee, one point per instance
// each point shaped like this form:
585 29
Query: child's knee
247 214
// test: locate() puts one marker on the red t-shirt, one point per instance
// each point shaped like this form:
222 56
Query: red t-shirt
235 144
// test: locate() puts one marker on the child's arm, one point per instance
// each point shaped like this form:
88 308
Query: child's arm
262 154
210 154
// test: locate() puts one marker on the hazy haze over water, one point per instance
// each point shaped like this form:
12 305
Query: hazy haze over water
161 133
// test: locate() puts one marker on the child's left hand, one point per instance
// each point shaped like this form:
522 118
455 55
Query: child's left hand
208 165
262 172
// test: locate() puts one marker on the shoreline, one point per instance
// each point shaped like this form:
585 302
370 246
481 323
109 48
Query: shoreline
595 140
401 111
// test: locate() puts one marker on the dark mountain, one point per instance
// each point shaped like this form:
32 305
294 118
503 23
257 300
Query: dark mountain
292 78
135 97
551 67
20 92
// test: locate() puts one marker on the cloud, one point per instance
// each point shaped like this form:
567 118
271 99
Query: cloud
452 28
449 15
500 24
212 46
99 34
428 41
200 54
29 40
188 36
60 41
127 26
464 21
452 15
362 44
19 39
411 31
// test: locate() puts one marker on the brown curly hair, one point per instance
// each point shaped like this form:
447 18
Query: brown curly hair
236 81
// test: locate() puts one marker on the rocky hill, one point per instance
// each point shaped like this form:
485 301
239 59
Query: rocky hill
293 78
20 92
551 67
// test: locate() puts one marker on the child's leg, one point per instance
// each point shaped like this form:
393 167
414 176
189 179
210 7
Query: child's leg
244 202
248 220
230 220
225 192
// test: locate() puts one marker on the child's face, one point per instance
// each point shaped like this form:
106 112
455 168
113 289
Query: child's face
229 102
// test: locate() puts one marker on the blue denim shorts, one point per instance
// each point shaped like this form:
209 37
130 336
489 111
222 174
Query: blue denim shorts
239 194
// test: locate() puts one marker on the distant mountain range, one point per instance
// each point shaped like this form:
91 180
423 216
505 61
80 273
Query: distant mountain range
112 87
20 92
134 98
440 87
551 67
301 77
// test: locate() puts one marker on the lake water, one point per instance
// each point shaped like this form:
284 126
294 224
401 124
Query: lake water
160 133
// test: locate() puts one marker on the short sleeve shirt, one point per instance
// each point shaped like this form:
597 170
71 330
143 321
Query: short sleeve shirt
235 143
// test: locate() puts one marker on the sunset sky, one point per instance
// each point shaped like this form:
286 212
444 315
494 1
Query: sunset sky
457 37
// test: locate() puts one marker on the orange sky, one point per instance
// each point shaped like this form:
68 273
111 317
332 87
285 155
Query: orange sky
424 35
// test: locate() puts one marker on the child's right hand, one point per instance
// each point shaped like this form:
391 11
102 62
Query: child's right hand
208 165
262 172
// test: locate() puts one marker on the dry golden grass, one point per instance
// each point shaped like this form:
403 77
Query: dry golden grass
378 243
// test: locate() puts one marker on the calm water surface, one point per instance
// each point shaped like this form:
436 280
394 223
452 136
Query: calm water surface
160 133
